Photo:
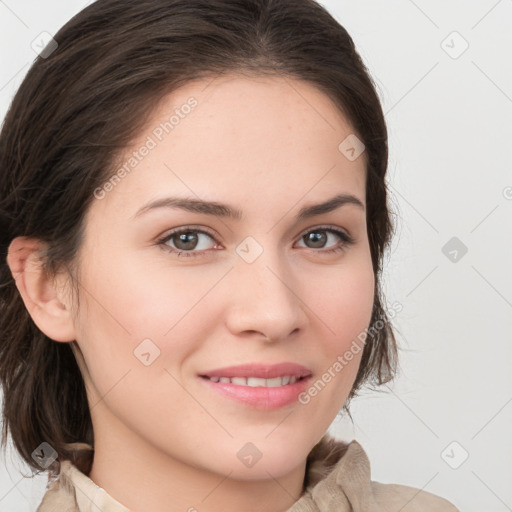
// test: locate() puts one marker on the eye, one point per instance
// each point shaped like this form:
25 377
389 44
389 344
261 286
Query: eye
186 242
319 237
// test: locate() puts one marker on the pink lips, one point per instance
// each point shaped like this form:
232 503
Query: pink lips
260 397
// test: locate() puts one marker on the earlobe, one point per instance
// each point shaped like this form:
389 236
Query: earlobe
39 292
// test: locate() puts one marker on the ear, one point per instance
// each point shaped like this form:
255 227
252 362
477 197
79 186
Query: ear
43 297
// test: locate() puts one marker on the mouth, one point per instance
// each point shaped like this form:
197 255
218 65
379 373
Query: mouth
264 387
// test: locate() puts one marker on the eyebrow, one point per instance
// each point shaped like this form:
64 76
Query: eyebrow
223 210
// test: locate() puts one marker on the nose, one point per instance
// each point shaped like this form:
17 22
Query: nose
265 298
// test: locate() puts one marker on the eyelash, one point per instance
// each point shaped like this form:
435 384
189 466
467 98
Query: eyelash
347 240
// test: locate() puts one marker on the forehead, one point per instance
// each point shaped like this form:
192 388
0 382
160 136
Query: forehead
267 139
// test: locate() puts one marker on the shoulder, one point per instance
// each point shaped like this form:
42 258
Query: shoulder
394 497
59 494
339 478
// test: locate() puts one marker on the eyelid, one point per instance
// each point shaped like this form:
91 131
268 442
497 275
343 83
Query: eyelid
189 227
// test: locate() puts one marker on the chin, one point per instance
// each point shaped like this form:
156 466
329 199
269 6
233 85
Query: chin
262 458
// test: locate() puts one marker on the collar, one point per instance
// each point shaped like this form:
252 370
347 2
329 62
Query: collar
337 478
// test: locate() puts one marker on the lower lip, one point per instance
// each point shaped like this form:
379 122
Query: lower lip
260 397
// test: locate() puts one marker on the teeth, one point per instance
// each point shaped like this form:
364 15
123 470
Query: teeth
241 381
271 383
256 382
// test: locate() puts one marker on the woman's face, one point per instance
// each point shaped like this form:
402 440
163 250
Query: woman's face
152 323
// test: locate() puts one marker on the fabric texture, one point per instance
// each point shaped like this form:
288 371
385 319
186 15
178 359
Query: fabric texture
337 479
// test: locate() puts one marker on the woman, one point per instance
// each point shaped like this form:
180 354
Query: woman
194 216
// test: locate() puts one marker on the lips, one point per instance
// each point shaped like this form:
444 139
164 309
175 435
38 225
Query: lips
271 391
262 371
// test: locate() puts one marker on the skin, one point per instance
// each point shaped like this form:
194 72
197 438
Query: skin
163 440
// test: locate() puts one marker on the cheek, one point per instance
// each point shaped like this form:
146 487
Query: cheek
153 298
344 309
345 303
135 313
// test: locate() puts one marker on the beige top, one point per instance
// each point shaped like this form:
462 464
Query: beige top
337 480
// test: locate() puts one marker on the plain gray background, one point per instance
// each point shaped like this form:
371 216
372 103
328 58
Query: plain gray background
444 425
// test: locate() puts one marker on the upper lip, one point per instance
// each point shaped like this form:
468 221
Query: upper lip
264 371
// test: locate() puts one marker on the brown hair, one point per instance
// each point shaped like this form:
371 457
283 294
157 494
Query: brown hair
82 104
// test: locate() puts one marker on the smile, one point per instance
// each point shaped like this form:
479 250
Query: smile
256 381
